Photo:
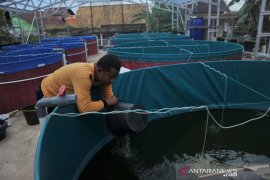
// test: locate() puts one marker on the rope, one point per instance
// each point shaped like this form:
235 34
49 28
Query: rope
177 46
158 111
23 80
76 53
27 60
240 124
138 111
21 55
205 133
224 99
92 42
257 92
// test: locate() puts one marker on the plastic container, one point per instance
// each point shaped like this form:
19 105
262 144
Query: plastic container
3 128
195 32
30 115
122 123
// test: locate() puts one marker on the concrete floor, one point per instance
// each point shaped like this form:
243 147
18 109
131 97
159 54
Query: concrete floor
19 147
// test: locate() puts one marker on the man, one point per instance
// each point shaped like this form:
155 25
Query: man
78 78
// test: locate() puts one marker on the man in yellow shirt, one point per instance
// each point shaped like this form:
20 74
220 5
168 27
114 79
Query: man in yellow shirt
78 78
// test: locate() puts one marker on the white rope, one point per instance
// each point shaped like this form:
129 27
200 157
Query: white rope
138 111
177 46
92 42
164 111
26 60
247 87
191 53
226 127
22 55
205 133
240 124
23 80
76 53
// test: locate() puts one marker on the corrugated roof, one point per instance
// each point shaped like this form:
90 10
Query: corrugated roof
202 7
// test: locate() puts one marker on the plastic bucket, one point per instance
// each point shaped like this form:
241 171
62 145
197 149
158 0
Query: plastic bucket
122 123
30 115
3 127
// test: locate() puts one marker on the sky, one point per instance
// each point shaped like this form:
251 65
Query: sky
235 7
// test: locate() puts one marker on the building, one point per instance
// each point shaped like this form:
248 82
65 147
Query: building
112 17
26 23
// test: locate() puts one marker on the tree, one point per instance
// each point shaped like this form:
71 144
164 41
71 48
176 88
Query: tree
157 20
5 36
247 22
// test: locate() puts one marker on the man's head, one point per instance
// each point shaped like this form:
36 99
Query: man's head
107 69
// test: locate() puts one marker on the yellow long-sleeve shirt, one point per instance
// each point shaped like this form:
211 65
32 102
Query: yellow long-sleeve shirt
78 78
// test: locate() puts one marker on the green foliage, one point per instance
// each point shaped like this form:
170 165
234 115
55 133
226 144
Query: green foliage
5 36
158 20
247 22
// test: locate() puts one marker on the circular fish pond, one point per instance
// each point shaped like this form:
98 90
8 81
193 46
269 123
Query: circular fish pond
142 54
177 148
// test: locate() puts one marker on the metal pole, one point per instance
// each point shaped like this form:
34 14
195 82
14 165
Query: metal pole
209 20
259 30
30 29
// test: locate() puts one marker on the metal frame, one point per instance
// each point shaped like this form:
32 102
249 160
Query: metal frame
176 7
260 34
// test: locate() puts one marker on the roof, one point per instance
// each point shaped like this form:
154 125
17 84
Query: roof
32 5
46 21
202 7
237 5
72 21
98 16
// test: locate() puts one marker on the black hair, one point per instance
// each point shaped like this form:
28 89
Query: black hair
109 61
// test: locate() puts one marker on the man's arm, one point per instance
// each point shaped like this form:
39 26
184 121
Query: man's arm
107 91
108 95
82 89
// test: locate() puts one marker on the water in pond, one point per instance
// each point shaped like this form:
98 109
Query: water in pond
168 144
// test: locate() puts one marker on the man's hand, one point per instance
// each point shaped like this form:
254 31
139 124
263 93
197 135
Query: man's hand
111 101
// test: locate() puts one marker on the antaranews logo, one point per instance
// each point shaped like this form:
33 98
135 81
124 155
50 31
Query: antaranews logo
184 171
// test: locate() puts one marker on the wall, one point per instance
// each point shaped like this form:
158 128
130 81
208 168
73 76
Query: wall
109 14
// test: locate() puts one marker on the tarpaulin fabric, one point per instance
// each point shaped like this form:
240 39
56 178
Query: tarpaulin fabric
176 51
129 38
50 44
230 84
24 50
237 84
17 64
65 38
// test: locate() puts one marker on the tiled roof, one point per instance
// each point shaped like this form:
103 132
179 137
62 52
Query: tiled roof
46 21
72 21
55 19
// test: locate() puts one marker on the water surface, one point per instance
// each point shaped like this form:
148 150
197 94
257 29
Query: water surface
157 151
